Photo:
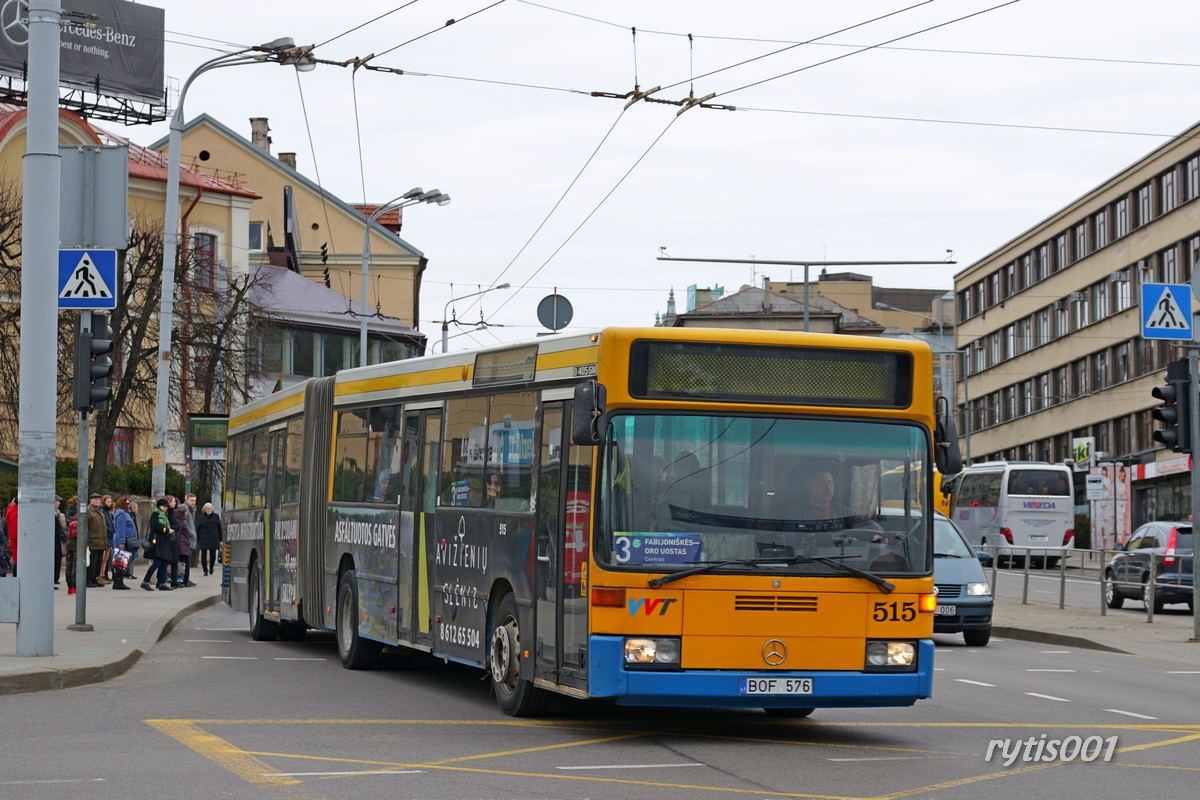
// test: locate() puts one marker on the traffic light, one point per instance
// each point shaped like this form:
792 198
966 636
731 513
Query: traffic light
93 366
1176 410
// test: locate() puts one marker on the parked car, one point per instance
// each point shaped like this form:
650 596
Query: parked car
964 601
1170 545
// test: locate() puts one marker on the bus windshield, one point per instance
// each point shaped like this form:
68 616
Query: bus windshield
680 490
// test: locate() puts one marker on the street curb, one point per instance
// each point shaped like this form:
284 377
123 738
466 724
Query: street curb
1062 640
39 679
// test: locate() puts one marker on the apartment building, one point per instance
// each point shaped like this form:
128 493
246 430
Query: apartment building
1050 328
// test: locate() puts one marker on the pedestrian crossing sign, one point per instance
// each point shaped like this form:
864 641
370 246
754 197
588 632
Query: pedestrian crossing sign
1167 311
87 279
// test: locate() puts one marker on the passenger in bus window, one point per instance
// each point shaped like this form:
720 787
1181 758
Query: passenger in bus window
383 487
494 489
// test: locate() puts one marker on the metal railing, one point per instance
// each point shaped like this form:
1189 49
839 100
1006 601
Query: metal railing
1081 561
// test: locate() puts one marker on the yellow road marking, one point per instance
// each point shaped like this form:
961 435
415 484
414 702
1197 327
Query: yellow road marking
224 754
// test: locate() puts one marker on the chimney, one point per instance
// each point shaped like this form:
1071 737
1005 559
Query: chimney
260 134
288 158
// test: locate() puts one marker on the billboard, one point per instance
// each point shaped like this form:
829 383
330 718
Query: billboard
120 53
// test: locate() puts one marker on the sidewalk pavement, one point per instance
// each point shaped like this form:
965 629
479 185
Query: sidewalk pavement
127 624
124 626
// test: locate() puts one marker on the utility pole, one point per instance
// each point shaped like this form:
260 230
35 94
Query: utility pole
37 450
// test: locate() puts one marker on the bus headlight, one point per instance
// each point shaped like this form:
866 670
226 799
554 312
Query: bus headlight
658 651
978 589
891 657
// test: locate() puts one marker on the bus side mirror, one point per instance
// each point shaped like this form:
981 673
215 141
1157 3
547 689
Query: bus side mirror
945 442
588 411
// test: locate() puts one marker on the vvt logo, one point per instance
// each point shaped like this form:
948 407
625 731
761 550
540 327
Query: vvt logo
1043 504
648 605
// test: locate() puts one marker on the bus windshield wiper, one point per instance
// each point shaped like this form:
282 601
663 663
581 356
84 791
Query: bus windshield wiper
734 562
834 561
887 587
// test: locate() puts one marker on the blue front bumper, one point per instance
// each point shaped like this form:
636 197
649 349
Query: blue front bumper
609 678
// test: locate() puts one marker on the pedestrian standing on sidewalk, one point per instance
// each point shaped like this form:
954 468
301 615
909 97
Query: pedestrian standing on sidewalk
60 539
108 508
133 515
209 535
183 577
125 534
97 538
10 519
162 543
193 515
72 516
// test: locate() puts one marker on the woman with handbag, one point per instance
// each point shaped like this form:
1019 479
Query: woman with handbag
162 542
132 540
124 540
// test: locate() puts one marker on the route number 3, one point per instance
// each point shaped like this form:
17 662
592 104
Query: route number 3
895 612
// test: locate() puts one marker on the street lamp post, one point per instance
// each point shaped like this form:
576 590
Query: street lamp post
446 311
410 198
280 51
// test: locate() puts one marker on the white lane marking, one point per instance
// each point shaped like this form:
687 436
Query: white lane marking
1048 697
1056 652
232 658
976 683
211 641
351 772
1050 670
1183 672
1129 713
56 780
282 658
939 669
890 758
1043 591
238 628
633 766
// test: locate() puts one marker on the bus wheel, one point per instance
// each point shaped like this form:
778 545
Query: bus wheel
261 629
789 713
516 696
355 651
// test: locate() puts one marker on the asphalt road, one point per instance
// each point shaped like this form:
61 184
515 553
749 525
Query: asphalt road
210 713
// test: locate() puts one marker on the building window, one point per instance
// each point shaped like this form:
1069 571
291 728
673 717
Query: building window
1100 292
1082 240
1027 270
1192 169
993 349
120 450
1082 312
1044 389
1100 369
1145 200
1101 228
1027 398
1122 217
1166 183
1061 386
1009 409
1060 247
1043 327
257 244
1122 365
1010 280
1079 377
1025 334
1062 319
1121 291
994 289
1170 265
1010 341
1041 265
204 258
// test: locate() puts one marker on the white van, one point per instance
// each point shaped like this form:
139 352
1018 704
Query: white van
1014 505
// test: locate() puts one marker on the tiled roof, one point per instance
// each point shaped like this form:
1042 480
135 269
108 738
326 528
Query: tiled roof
754 301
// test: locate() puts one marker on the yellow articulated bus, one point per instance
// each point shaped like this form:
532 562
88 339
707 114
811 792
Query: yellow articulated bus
658 517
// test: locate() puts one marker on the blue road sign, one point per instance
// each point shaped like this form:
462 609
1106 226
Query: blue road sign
87 279
1167 311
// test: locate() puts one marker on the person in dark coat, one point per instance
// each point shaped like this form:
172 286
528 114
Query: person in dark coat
183 548
209 535
162 540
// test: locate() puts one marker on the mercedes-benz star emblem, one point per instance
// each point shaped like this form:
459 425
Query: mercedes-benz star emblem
14 25
774 652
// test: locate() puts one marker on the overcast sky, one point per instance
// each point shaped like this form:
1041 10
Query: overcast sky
901 152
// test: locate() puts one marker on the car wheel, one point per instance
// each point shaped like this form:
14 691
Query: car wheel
789 713
1111 598
978 638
